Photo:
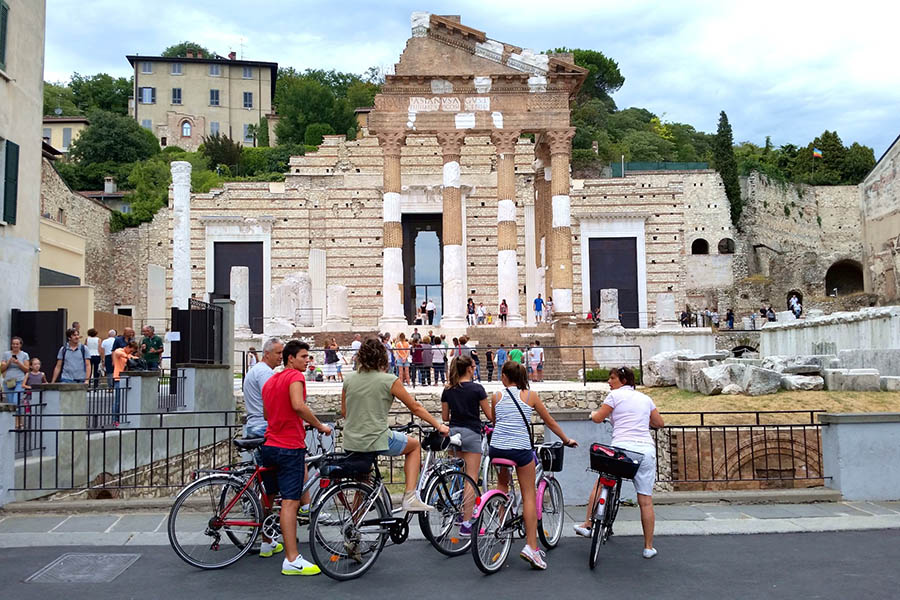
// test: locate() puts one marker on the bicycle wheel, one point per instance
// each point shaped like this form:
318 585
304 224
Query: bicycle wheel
490 539
453 494
612 509
345 534
201 514
550 524
594 556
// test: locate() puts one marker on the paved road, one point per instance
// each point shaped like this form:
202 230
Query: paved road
842 565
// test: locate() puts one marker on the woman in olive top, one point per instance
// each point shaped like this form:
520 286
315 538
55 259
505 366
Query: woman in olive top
365 402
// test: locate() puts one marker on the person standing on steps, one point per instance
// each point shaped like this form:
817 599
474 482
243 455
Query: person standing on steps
503 312
489 364
548 309
429 310
538 309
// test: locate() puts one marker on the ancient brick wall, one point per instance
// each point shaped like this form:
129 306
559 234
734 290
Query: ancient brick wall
131 251
880 207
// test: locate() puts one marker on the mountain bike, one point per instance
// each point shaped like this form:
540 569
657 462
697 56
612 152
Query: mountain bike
612 466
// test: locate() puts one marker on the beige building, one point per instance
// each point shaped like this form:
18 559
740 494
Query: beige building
183 99
60 132
21 106
880 212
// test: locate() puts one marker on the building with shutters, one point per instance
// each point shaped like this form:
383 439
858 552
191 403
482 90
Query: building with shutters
60 132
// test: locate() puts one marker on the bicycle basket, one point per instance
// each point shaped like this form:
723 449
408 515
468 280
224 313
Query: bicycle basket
551 456
350 464
615 461
435 441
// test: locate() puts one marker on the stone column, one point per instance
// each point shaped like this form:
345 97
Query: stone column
181 233
665 312
392 315
507 235
609 308
560 141
240 293
303 315
338 318
543 216
454 293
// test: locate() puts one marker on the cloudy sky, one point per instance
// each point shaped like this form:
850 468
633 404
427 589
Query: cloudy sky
789 69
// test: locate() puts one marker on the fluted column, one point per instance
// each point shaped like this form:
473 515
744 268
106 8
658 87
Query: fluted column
454 293
560 141
181 234
392 314
507 235
542 213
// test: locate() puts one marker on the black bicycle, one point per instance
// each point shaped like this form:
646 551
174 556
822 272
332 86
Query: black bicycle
612 465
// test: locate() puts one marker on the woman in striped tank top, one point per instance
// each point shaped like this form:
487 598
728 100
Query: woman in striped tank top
512 440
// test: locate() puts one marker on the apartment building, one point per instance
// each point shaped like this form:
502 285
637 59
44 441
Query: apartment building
60 132
183 99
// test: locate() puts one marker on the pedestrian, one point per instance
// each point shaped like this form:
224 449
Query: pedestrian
502 356
464 348
121 356
753 321
106 353
430 308
537 361
470 312
489 363
476 360
729 318
515 354
770 315
254 381
331 361
389 348
252 358
503 312
715 319
93 345
538 308
416 362
122 340
481 314
73 363
684 318
401 349
14 366
151 348
34 377
77 327
285 407
427 362
798 309
423 313
416 337
354 348
438 359
548 309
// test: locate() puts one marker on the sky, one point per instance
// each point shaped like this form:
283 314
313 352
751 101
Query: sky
788 69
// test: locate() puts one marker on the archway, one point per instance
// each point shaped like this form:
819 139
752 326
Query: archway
792 293
699 246
739 351
726 246
844 277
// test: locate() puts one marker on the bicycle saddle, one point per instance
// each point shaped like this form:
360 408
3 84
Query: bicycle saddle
248 443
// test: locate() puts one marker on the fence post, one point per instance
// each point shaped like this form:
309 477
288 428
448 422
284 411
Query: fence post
143 397
227 306
8 453
65 407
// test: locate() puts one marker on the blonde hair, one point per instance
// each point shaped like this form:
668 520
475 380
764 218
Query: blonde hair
458 368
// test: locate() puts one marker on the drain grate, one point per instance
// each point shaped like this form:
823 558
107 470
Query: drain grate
84 568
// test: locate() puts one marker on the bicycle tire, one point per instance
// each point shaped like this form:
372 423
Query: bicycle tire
551 534
183 540
487 532
333 538
448 492
594 556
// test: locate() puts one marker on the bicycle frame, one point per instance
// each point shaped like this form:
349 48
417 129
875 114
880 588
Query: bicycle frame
541 479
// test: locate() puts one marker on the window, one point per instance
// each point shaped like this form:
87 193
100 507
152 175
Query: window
176 69
47 134
248 73
9 163
214 128
67 138
248 99
215 70
699 246
248 135
4 17
125 208
147 124
148 95
176 95
146 67
186 129
213 97
163 141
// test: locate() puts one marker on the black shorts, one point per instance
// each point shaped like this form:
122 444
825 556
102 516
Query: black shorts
520 457
289 470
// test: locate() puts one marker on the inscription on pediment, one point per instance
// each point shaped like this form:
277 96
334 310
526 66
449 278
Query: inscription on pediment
449 104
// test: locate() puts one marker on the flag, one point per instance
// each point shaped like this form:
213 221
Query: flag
817 153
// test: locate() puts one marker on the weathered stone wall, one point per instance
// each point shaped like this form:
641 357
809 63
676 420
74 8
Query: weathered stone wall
880 210
133 249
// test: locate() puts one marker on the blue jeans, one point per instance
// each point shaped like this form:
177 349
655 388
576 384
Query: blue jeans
439 372
116 400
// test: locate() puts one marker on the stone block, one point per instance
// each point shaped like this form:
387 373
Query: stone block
687 373
758 381
751 362
732 389
802 382
890 383
659 371
802 370
712 380
834 378
862 380
712 356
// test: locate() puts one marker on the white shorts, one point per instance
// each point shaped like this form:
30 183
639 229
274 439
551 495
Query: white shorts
646 475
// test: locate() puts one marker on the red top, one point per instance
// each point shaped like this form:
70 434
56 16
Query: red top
285 427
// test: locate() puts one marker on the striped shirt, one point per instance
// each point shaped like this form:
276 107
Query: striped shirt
510 431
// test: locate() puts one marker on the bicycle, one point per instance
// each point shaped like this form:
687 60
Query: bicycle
499 516
612 466
239 505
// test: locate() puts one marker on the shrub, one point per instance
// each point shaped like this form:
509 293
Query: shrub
602 374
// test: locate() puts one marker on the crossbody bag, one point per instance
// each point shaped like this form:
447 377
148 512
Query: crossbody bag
524 418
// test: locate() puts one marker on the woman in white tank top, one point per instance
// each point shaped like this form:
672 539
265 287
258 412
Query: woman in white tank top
512 410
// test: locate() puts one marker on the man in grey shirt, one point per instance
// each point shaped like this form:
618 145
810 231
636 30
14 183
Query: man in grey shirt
73 361
254 381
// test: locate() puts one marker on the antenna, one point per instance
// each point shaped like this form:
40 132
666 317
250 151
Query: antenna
242 47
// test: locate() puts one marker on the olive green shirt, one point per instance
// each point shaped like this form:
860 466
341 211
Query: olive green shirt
368 400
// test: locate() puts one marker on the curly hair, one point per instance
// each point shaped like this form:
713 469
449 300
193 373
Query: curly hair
372 356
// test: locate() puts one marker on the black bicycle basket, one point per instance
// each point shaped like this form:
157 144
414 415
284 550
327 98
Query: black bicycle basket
617 462
347 464
551 456
435 441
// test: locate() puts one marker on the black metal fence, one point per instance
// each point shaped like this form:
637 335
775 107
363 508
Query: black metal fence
107 406
29 422
171 389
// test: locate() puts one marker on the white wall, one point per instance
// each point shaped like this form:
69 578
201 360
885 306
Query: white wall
866 329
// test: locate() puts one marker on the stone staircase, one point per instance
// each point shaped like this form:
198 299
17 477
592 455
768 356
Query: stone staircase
483 337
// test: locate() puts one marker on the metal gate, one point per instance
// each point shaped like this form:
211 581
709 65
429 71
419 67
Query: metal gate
201 331
43 332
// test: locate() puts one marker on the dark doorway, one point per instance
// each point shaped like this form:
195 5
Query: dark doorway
844 277
240 254
422 263
43 332
613 265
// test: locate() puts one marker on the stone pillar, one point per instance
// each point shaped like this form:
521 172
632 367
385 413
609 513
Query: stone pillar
7 451
560 141
227 357
303 315
454 293
181 233
665 312
507 235
338 318
392 315
543 215
240 293
609 308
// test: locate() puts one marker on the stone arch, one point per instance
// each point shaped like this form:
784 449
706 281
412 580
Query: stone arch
726 246
787 298
699 246
844 277
782 449
739 351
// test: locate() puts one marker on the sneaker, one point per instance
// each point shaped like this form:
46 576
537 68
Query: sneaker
649 552
535 557
465 528
303 514
299 566
582 531
412 503
267 549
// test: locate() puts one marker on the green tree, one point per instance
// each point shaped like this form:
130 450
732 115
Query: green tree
101 92
111 137
647 146
59 95
858 161
302 101
221 150
362 93
262 132
315 131
604 77
181 49
726 165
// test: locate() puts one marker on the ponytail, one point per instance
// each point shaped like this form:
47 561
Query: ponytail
458 367
516 374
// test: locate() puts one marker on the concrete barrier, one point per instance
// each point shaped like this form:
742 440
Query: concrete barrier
861 455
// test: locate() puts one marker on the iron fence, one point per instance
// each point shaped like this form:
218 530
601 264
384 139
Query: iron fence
29 423
171 389
107 406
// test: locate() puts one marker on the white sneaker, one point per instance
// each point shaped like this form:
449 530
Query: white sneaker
649 552
267 549
412 503
299 566
535 557
582 531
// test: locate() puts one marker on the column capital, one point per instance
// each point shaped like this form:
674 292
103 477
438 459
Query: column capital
451 143
505 140
560 140
391 142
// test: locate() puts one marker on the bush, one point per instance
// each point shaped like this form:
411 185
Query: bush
173 150
315 132
602 374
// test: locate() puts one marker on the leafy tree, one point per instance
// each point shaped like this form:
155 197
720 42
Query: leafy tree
726 165
858 161
181 49
300 102
221 150
90 176
647 146
315 132
361 93
262 132
604 77
112 137
101 92
59 95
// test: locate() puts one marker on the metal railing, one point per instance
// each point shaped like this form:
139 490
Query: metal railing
171 389
107 406
29 423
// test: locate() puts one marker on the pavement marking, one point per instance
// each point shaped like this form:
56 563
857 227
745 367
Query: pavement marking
164 519
108 529
60 523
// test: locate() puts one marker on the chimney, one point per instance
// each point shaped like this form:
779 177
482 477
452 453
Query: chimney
109 185
189 54
232 55
199 54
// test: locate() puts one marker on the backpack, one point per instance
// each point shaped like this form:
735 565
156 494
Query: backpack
63 348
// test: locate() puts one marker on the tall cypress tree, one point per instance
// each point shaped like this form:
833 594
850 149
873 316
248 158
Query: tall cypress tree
726 165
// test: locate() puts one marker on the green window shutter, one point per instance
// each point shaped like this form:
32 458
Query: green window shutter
4 18
11 183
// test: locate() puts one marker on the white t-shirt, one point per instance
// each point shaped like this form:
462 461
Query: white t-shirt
93 345
430 306
537 354
630 417
482 311
107 345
